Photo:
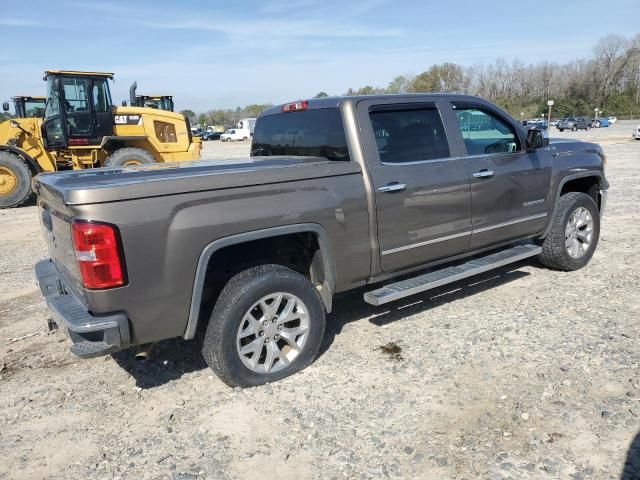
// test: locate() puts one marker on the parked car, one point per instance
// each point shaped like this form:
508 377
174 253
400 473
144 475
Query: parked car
211 136
340 193
234 134
541 124
636 133
574 123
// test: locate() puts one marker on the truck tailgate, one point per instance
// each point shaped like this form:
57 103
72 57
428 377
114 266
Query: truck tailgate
55 221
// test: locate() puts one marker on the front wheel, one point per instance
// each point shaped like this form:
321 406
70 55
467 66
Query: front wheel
574 233
267 324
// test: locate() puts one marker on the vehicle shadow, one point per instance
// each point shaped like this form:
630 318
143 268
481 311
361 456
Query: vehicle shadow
350 307
171 359
631 470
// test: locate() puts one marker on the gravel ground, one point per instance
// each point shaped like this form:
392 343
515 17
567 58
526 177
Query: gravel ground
521 373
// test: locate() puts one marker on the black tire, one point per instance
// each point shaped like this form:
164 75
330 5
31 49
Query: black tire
554 252
237 297
15 181
574 129
130 156
561 129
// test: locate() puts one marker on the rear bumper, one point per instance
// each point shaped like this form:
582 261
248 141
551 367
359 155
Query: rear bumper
92 335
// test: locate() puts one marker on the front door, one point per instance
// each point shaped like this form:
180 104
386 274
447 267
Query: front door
509 186
422 195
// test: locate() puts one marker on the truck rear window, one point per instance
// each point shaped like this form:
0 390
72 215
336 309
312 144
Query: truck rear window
310 133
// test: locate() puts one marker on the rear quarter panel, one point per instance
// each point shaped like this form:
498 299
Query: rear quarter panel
163 238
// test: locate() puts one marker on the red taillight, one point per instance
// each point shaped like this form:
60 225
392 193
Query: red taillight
96 249
294 106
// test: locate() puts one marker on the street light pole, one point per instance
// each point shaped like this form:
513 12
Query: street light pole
550 103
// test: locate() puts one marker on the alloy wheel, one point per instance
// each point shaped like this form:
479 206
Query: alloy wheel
273 332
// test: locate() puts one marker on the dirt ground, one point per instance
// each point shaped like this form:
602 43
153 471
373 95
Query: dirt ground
521 373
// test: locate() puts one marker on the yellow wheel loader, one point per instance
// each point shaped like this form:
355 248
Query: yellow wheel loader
159 102
81 128
26 106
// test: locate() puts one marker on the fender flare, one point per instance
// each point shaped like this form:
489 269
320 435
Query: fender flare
328 285
602 182
27 158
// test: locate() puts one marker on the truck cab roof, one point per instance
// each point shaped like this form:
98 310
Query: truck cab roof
335 102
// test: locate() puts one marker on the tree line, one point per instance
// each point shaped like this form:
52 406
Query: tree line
609 79
224 117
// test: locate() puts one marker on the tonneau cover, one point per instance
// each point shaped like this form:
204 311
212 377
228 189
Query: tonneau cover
118 183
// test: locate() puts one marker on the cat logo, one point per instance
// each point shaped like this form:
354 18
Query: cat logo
127 119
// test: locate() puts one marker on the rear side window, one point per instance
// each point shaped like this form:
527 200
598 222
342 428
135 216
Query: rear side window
484 132
310 133
408 135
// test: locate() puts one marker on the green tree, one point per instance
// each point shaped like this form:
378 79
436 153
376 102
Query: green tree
398 85
190 114
321 95
446 77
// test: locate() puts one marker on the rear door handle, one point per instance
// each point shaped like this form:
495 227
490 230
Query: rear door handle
484 173
393 187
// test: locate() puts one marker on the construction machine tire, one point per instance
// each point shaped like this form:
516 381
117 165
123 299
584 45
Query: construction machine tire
128 157
15 181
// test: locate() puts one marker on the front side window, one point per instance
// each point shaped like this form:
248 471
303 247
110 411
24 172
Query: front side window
409 134
483 132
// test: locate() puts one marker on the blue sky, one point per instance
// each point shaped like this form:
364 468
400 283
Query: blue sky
214 54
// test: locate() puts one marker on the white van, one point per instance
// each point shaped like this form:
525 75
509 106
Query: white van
234 134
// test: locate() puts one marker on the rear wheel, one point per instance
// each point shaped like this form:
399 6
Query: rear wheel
267 324
127 157
15 180
574 128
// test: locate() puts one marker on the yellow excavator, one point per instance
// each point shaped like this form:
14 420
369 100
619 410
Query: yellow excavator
81 128
25 106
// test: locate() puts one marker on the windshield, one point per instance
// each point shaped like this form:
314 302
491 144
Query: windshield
310 133
53 103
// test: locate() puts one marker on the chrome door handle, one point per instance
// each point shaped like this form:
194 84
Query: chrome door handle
484 173
393 187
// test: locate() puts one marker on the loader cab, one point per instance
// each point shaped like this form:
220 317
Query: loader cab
28 107
78 111
159 102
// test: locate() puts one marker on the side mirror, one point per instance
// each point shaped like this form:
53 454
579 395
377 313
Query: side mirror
536 139
14 124
5 106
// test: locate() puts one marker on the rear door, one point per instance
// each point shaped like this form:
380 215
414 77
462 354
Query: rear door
509 186
423 200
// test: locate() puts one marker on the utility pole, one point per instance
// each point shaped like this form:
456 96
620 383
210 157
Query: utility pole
550 103
638 87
